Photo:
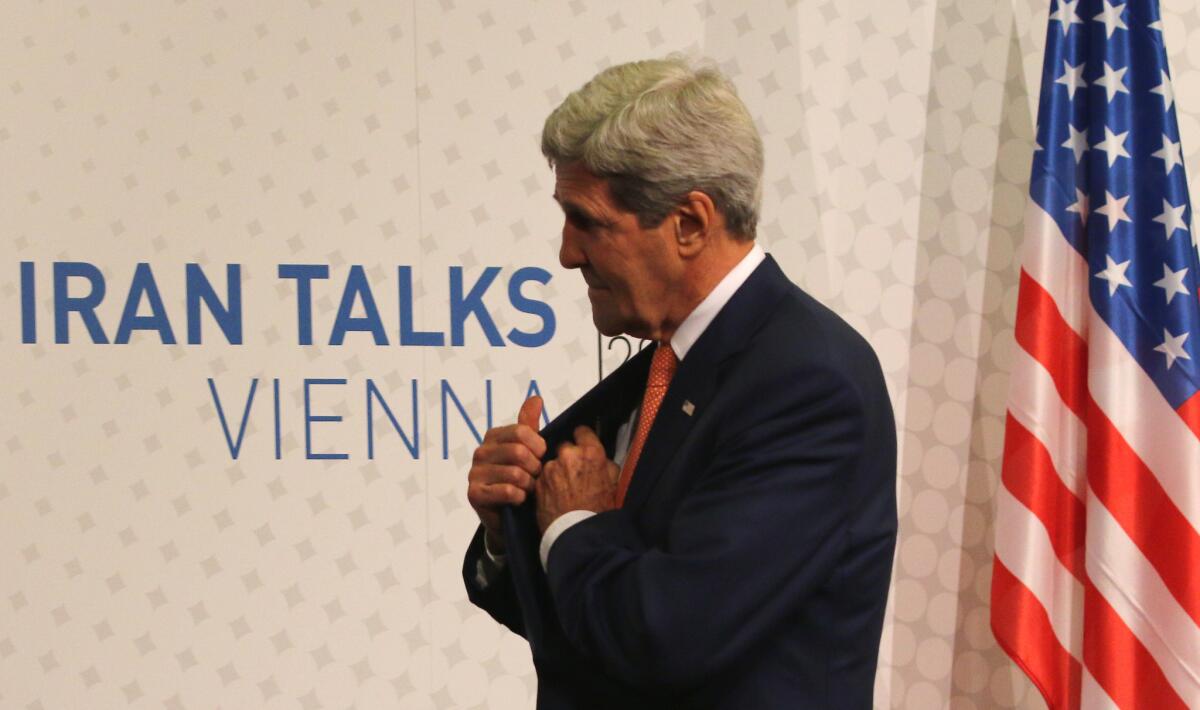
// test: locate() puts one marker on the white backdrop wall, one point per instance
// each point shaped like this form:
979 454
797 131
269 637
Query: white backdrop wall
144 566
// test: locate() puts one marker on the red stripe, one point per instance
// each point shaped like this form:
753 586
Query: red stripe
1044 334
1030 476
1132 495
1189 411
1119 662
1022 627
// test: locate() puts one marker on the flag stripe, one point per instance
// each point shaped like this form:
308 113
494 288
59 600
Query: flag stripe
1034 402
1030 477
1025 549
1025 625
1147 608
1093 697
1044 334
1189 412
1065 279
1120 663
1143 509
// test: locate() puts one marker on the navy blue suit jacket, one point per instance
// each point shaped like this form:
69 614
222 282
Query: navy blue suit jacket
749 565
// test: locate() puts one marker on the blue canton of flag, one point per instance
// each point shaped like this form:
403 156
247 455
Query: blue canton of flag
1109 169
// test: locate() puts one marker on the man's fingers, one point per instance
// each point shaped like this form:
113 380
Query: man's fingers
548 473
567 451
584 436
530 437
514 453
492 474
495 494
518 433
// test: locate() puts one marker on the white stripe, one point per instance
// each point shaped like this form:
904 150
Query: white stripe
1133 588
1119 385
1153 429
1035 403
1023 546
1065 279
1092 696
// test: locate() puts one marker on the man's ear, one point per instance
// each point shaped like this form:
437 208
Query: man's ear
696 220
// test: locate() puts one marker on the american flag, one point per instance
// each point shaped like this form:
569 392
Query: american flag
1096 581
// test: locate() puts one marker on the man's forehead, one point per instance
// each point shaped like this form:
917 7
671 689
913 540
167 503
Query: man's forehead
572 179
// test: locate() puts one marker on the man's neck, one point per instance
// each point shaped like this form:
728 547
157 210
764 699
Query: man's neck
702 278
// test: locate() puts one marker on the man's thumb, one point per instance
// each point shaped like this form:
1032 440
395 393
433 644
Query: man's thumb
531 412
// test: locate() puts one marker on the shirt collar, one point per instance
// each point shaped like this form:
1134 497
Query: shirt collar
697 321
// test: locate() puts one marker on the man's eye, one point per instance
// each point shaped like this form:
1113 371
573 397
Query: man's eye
581 221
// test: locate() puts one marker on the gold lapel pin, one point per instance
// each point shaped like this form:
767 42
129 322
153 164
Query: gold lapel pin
688 408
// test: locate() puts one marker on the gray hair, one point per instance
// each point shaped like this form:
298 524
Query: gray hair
658 129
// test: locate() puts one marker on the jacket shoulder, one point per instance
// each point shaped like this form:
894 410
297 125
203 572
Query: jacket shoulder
803 333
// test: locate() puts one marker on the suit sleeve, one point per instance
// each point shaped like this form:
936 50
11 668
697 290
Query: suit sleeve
750 542
498 597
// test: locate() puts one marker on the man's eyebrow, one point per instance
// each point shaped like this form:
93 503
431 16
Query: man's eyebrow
571 208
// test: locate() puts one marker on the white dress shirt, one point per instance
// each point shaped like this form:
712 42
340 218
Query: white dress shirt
682 340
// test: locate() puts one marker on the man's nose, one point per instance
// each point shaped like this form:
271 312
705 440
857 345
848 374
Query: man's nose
569 253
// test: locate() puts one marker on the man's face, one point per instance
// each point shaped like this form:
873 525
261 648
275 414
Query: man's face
628 269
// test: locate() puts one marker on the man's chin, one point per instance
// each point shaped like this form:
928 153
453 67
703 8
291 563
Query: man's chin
607 326
612 329
607 329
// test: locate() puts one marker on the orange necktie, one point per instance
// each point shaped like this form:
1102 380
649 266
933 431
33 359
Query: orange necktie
662 368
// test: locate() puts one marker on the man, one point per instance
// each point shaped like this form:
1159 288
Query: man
711 526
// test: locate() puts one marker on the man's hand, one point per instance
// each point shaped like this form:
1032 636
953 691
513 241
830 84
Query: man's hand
504 468
581 478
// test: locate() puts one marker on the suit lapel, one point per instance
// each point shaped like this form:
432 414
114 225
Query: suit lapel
699 374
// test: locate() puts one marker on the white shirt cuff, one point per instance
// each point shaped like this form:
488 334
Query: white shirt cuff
560 525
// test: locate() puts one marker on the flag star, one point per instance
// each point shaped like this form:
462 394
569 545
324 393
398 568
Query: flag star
1170 153
1172 218
1067 15
1080 206
1114 275
1114 209
1164 89
1072 78
1113 81
1172 347
1113 145
1172 282
1076 141
1156 25
1111 17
